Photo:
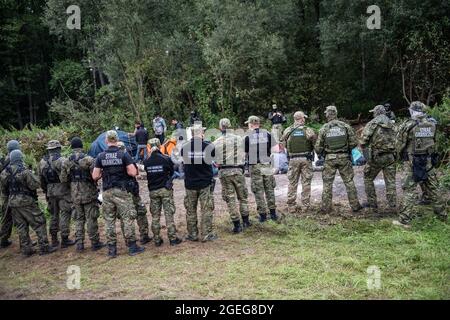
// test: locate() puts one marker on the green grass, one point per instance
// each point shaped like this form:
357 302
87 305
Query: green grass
299 259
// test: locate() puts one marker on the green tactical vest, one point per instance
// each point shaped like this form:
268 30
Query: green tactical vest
424 138
298 142
336 139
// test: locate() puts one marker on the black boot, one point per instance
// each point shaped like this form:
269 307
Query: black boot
145 239
246 222
112 250
134 249
357 209
80 246
45 250
237 227
175 242
28 253
159 242
97 245
262 217
55 241
5 243
66 242
273 215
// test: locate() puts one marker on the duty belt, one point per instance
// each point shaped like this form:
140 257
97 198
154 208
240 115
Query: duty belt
230 167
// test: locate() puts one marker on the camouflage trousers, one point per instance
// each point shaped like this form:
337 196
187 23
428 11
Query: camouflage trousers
163 199
277 132
26 217
386 164
191 201
233 186
87 215
407 209
6 223
263 187
118 203
141 218
61 212
343 164
299 167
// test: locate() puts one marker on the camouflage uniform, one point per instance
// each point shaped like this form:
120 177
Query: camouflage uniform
191 200
335 141
21 185
379 141
416 147
141 218
163 199
299 141
230 156
118 203
77 170
58 195
5 212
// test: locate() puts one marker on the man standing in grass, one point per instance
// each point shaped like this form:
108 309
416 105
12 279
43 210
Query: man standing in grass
299 141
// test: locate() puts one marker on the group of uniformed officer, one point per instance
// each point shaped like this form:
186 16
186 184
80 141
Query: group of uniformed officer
70 184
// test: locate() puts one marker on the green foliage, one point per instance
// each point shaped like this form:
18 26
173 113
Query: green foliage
67 78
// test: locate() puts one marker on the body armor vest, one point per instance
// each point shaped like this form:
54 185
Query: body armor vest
50 174
298 142
336 139
114 170
76 173
424 138
15 187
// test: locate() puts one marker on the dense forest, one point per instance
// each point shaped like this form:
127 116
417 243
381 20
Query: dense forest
133 58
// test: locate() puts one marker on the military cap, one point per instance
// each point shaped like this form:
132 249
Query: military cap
155 142
112 136
224 123
331 109
378 110
300 115
253 120
417 106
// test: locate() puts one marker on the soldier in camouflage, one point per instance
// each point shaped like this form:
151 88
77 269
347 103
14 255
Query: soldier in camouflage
258 146
115 167
198 157
57 193
19 185
5 212
76 170
160 170
141 218
299 141
336 141
416 146
378 142
230 159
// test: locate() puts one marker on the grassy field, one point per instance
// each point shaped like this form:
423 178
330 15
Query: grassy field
302 258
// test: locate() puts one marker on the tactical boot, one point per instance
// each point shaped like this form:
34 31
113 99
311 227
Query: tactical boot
175 242
55 241
273 215
112 251
80 246
159 242
237 227
5 243
246 222
134 249
66 242
400 223
145 239
192 238
45 250
357 209
28 252
97 245
262 217
210 237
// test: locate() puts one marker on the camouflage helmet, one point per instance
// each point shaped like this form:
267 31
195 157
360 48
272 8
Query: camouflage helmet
378 110
54 144
417 106
154 143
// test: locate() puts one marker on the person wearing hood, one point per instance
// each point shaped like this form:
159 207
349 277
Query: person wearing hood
416 147
5 211
76 170
378 140
20 184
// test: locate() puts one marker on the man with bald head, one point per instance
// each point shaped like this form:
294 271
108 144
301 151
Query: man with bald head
378 140
299 141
